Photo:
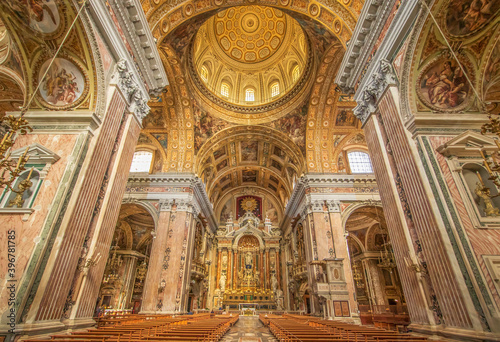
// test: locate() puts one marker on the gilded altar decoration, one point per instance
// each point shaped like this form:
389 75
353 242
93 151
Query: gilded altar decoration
248 204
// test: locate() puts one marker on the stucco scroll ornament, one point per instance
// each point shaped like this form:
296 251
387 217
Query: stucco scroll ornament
370 95
129 86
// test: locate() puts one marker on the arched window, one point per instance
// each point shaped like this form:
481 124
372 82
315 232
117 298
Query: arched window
275 89
204 74
141 161
296 73
11 199
359 162
249 95
224 89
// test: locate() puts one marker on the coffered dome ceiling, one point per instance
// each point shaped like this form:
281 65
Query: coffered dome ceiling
250 56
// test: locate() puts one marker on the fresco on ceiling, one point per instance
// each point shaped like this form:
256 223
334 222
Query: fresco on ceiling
443 85
205 126
180 37
155 118
271 213
222 165
294 125
464 17
279 152
273 179
249 150
144 139
40 15
252 204
345 118
162 139
337 139
321 38
491 83
249 176
63 84
226 211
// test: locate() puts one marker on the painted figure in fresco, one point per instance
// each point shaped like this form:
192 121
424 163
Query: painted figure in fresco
61 86
448 88
467 16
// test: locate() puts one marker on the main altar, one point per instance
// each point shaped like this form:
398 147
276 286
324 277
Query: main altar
248 264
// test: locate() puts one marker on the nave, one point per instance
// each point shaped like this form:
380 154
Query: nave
226 327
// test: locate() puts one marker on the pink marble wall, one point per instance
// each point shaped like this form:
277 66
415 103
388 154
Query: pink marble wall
482 241
27 231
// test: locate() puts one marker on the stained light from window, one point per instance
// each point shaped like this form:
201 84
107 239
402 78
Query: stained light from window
249 95
224 89
141 161
275 89
295 73
359 162
204 74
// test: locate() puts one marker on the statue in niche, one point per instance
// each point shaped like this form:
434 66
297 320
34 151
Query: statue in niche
274 283
222 282
248 260
224 262
484 193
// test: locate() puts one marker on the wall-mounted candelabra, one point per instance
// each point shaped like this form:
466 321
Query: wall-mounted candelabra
356 276
11 169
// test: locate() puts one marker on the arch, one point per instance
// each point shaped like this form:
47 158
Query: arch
346 214
243 232
149 207
128 233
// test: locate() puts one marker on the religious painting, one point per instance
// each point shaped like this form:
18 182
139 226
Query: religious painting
249 176
345 118
40 15
205 126
464 17
252 204
275 164
226 211
271 213
443 86
273 179
222 165
219 153
294 125
249 150
162 139
64 83
337 139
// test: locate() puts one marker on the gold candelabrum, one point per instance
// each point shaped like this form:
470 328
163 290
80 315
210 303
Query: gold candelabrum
11 169
357 277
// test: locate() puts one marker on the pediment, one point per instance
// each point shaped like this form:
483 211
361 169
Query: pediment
467 144
39 154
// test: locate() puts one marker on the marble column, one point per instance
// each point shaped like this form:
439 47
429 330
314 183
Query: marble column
261 263
235 270
376 282
129 277
159 261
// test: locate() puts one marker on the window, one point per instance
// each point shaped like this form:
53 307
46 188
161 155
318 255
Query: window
141 161
275 89
224 89
359 162
204 74
249 95
295 73
11 199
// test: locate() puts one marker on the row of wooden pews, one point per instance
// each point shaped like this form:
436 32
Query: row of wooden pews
312 329
202 327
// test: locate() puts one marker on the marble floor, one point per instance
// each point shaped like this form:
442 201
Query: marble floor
248 329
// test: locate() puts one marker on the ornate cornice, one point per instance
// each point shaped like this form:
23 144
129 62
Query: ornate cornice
368 28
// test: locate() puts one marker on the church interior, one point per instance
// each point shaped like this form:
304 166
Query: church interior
250 170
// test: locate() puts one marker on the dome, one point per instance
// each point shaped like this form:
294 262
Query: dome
250 55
